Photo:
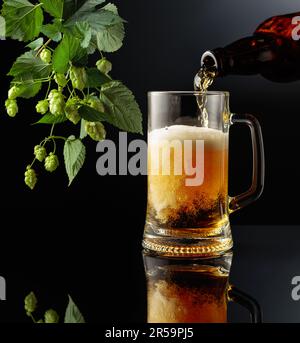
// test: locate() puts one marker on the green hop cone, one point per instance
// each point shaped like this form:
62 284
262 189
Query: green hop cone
95 103
13 92
104 66
51 317
40 153
51 162
30 303
95 130
42 106
30 178
71 110
57 106
56 102
53 93
61 80
78 77
46 56
11 107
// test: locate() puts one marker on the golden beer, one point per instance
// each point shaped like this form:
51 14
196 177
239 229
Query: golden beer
181 295
174 203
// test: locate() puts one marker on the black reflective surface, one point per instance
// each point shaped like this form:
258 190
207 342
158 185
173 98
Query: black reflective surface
266 258
111 287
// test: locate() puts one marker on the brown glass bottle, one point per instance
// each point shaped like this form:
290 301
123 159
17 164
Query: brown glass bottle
272 51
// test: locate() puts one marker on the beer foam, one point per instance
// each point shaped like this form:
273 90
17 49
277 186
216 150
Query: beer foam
185 132
171 303
163 308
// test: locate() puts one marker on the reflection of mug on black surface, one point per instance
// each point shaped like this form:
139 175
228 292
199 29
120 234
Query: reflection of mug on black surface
192 290
188 202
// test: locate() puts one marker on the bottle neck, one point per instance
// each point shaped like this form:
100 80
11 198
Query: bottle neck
247 56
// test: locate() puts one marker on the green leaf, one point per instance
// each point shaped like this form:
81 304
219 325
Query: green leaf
93 45
96 78
70 7
36 44
121 106
83 133
74 155
68 50
73 315
111 38
29 89
53 7
83 32
101 19
53 31
50 118
90 114
23 19
107 26
29 63
111 7
76 9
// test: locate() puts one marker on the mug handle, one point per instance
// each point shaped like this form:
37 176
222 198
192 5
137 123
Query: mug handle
236 295
258 171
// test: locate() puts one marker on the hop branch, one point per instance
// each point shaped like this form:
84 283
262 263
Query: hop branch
72 315
57 56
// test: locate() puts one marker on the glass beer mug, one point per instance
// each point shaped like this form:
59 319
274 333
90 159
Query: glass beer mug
188 204
192 290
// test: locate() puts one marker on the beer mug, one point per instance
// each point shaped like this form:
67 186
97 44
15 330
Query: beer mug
192 290
188 204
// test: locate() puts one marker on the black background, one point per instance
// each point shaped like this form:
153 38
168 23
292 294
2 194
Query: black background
85 239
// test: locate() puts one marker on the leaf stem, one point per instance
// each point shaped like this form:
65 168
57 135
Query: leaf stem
35 81
49 138
70 91
31 316
32 163
53 140
47 93
43 142
57 137
52 128
43 47
54 145
33 9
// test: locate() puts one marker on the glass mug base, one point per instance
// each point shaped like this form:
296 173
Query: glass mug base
188 242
